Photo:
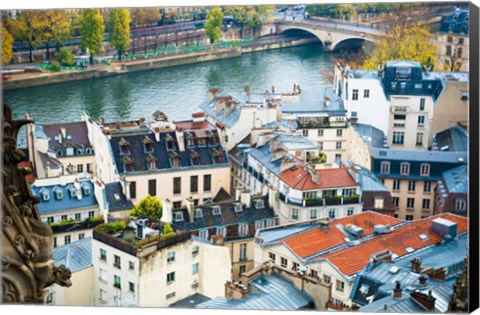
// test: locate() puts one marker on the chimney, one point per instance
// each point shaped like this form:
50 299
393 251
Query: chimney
167 211
198 117
271 197
60 137
397 292
64 132
416 264
156 130
245 198
315 176
426 301
180 138
191 304
238 192
235 290
273 89
287 163
190 208
438 274
422 280
327 101
212 93
247 92
221 103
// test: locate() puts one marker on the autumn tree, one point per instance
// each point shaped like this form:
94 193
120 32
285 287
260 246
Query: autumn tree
57 28
91 31
239 15
145 16
150 207
213 26
403 43
119 30
7 45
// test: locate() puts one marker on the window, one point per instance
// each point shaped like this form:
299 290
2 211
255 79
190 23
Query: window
170 277
221 231
195 268
399 117
103 275
194 184
419 140
55 242
198 213
269 223
241 269
178 216
449 39
421 120
283 262
427 187
313 214
89 167
294 214
243 252
207 182
460 41
355 95
78 216
385 168
103 254
81 236
320 132
131 287
117 282
339 132
422 104
80 168
295 266
350 211
131 265
331 213
366 93
405 168
237 207
133 190
426 204
195 250
459 52
398 137
170 295
103 295
327 279
464 96
395 201
258 225
59 194
340 286
50 220
216 210
170 257
378 202
203 234
152 187
403 73
117 261
338 145
411 186
177 185
460 204
259 204
425 169
68 239
305 132
64 217
409 217
243 229
410 203
272 256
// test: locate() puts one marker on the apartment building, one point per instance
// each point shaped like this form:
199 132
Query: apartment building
137 267
361 138
452 42
412 177
451 192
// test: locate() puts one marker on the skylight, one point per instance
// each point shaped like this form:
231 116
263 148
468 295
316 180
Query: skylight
409 249
423 237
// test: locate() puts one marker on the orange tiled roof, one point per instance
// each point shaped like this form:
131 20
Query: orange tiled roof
299 178
316 240
30 177
191 125
351 260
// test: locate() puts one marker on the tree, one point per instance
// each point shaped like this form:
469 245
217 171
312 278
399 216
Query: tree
213 26
168 231
91 31
65 57
345 11
145 16
119 30
410 43
7 45
253 19
150 207
57 28
239 15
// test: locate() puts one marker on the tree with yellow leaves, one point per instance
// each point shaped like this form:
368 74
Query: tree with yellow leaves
7 46
403 43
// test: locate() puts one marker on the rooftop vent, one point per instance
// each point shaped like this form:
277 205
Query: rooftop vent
355 230
444 227
382 229
393 270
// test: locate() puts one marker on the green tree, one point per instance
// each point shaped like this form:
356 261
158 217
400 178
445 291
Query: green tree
7 45
168 231
403 43
345 11
239 15
65 57
57 28
213 26
91 31
145 16
150 207
119 30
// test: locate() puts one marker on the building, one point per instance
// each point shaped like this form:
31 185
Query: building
412 177
166 160
69 206
113 201
231 222
452 42
361 139
61 149
451 192
76 256
336 252
139 267
453 139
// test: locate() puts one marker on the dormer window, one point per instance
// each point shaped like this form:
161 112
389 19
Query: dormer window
216 210
217 156
178 216
174 159
170 142
237 207
124 147
212 139
73 191
148 145
202 142
86 189
259 204
128 164
45 194
59 153
196 159
59 194
403 73
198 213
88 151
79 152
151 162
190 140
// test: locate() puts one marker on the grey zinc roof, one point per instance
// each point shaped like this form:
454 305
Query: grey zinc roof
296 142
457 180
312 101
364 74
269 236
403 63
75 256
451 139
368 181
414 155
372 136
274 293
196 298
264 156
117 201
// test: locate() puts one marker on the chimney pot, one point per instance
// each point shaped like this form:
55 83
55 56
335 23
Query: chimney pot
397 292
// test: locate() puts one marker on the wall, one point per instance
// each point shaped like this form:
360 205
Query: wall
234 252
79 294
215 266
74 236
357 150
443 61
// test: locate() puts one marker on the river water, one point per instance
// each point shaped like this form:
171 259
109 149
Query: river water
176 91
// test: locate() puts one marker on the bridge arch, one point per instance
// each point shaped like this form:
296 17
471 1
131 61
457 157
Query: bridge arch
350 42
302 30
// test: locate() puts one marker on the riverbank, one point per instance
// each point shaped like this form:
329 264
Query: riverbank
118 68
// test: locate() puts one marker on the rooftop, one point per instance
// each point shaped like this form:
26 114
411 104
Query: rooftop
116 199
63 135
272 292
456 180
453 139
75 256
313 101
366 179
419 156
195 298
457 23
298 177
373 137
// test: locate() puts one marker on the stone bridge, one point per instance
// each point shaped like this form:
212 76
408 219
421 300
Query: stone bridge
332 36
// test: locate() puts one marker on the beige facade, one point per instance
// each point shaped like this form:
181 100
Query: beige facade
60 239
241 254
452 52
358 150
331 141
79 294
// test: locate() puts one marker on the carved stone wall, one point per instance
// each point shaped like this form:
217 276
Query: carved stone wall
26 241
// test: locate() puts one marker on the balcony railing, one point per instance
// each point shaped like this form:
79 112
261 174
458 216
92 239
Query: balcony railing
322 201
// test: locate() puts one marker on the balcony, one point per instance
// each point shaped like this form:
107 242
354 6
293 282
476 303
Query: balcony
322 201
